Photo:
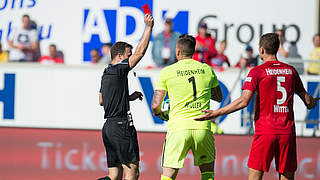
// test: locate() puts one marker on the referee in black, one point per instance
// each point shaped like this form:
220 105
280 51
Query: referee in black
118 133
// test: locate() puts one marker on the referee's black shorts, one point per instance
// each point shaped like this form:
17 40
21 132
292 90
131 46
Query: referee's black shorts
121 142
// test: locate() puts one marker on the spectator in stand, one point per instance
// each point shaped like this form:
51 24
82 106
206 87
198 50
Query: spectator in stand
313 67
288 52
247 59
3 55
293 51
295 59
106 56
23 42
220 58
205 47
53 57
164 45
95 56
33 25
284 48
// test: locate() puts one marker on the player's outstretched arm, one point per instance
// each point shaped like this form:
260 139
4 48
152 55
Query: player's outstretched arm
216 94
158 97
144 42
236 105
308 100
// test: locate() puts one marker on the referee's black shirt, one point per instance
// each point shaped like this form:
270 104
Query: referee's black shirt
114 90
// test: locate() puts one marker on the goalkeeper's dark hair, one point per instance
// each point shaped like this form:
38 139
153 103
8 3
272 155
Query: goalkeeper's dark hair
186 44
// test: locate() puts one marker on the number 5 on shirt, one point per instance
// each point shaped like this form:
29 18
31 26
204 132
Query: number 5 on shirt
281 89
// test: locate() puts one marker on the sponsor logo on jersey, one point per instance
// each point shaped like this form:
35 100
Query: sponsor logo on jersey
190 72
278 71
248 79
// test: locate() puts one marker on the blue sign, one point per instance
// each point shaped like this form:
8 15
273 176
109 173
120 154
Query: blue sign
7 95
148 90
313 113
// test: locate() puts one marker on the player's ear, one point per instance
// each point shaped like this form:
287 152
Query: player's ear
178 52
261 51
119 56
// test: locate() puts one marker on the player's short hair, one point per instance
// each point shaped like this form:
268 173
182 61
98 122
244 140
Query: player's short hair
186 44
119 48
270 42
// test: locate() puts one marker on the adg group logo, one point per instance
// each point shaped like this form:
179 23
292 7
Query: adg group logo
126 23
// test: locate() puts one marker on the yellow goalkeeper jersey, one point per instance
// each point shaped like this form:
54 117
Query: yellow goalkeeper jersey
188 84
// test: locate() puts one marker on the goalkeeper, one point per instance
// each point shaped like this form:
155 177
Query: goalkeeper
190 86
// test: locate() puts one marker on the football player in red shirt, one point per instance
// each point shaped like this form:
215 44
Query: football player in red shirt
275 84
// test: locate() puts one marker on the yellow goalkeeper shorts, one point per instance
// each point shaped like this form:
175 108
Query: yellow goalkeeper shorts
178 143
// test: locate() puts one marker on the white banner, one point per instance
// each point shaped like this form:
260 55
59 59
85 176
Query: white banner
79 26
59 96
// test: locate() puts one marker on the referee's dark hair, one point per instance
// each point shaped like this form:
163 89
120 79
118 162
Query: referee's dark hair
186 44
119 48
270 42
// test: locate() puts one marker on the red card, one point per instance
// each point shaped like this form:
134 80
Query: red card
146 9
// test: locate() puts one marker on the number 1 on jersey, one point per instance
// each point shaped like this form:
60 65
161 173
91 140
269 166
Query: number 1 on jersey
194 87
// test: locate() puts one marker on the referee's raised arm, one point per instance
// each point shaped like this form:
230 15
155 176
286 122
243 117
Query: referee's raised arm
144 42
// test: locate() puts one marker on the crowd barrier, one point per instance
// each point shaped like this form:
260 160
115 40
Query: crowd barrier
66 97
